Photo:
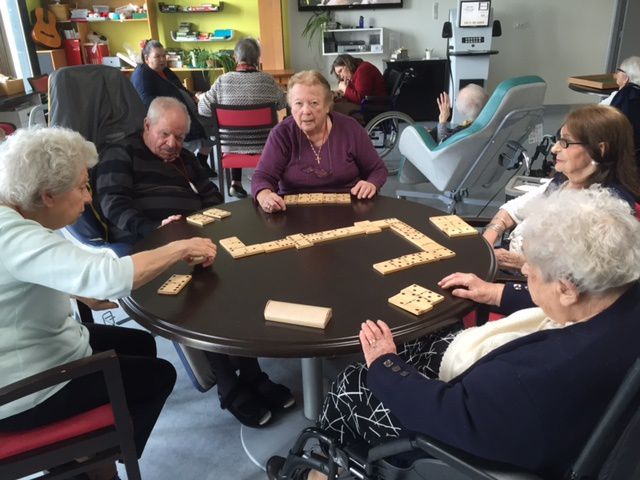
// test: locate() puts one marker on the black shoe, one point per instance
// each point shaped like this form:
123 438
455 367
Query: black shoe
237 191
276 396
246 406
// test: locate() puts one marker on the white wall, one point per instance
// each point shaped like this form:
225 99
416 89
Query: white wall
554 38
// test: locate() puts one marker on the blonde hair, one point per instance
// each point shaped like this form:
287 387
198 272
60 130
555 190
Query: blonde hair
310 78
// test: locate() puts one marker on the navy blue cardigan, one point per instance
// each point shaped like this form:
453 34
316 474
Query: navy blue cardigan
150 85
627 100
532 402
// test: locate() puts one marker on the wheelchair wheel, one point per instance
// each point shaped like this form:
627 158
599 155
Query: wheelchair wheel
384 132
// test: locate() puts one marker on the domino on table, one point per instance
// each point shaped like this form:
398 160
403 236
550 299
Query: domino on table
174 284
416 299
216 213
300 240
453 226
200 219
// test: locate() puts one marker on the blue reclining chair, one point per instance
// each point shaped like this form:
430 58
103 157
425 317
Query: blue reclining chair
478 156
100 103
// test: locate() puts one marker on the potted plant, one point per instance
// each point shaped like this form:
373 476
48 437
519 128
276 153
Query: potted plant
199 56
224 60
317 22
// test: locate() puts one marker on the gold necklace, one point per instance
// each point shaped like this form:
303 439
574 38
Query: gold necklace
324 140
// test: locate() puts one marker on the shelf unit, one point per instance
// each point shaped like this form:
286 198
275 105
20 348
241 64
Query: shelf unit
357 41
162 7
225 38
108 27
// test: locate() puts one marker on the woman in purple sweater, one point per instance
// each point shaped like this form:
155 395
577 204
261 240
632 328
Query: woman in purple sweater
316 150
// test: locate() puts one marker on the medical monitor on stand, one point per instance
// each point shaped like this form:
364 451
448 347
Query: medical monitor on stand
473 14
469 46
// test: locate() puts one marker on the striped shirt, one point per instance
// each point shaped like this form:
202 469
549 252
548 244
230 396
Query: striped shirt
135 190
243 88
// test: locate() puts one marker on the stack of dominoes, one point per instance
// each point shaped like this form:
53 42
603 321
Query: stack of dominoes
207 216
453 226
317 198
416 299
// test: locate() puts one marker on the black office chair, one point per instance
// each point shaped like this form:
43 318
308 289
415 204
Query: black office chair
611 452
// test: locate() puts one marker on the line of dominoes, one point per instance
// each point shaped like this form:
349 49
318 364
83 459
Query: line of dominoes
317 198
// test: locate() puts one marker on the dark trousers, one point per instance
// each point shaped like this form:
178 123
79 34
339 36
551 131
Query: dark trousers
147 380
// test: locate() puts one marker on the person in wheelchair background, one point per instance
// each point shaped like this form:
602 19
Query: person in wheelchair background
357 79
315 150
595 146
526 390
470 102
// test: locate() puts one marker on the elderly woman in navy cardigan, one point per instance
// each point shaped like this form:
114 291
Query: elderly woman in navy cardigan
153 78
526 390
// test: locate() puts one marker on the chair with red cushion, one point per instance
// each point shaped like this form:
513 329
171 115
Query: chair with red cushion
238 128
104 434
8 128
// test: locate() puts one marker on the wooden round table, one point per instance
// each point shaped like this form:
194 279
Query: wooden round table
222 308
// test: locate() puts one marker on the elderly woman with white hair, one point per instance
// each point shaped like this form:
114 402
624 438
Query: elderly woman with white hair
470 102
526 390
43 187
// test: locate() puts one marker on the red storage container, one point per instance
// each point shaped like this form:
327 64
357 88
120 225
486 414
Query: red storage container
94 52
72 51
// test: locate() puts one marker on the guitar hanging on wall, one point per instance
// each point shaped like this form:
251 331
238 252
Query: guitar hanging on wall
44 31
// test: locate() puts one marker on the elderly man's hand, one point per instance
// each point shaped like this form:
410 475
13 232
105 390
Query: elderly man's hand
444 105
270 201
376 339
170 219
507 259
364 189
473 288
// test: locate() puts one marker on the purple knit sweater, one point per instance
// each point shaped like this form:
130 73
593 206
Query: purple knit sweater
288 165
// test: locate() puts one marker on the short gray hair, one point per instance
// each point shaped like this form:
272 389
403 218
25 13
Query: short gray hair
38 160
631 66
160 105
588 237
471 100
247 51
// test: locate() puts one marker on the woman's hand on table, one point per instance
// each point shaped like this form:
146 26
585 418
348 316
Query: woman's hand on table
507 259
197 251
376 339
364 189
270 201
469 286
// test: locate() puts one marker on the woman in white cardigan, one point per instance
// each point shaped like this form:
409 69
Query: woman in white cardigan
43 187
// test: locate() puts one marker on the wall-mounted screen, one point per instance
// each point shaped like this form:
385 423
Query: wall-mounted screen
474 14
347 4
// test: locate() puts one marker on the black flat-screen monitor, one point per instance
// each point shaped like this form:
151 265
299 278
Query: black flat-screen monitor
304 5
474 14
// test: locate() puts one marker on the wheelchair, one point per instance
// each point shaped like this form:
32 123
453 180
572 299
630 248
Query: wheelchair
609 453
382 121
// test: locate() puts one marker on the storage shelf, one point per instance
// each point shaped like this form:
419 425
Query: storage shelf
162 6
108 20
212 39
351 40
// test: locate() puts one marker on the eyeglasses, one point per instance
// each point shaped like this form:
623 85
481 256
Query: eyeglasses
620 70
564 143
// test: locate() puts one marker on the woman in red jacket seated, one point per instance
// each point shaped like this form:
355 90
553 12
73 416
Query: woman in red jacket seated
356 80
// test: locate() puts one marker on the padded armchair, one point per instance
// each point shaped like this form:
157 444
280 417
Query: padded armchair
101 104
104 433
611 452
240 127
479 155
